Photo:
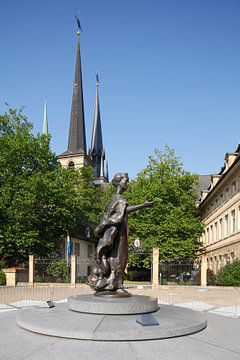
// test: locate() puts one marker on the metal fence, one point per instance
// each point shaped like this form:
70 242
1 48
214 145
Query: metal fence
44 270
24 296
216 300
181 272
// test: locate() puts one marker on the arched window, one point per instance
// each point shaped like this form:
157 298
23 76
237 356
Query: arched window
71 165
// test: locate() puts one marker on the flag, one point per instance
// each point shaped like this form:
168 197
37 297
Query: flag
69 245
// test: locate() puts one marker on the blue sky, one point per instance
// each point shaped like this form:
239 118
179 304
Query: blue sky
169 73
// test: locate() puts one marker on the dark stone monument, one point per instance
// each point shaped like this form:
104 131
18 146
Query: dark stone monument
112 248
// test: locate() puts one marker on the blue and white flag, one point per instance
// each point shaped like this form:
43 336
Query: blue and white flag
69 245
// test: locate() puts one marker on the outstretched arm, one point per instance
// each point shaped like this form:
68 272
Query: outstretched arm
147 203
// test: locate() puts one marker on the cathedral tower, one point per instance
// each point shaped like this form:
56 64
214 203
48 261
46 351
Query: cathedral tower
76 154
97 152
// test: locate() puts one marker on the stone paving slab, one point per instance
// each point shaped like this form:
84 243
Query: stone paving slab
62 322
219 341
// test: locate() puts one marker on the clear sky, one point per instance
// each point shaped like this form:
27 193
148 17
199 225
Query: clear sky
169 74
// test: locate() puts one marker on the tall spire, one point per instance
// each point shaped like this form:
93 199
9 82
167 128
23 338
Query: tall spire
77 134
45 119
96 151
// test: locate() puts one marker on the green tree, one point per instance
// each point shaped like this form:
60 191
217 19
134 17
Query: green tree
39 201
229 275
172 224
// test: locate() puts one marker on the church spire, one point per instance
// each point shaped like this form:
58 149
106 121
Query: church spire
97 153
77 134
45 119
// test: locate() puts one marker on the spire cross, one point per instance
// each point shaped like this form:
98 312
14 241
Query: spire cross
97 79
79 25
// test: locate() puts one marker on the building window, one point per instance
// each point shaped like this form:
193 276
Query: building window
227 193
215 264
226 259
238 218
77 249
226 226
238 184
71 165
234 187
233 221
211 234
221 199
212 208
216 231
89 251
220 235
207 236
211 263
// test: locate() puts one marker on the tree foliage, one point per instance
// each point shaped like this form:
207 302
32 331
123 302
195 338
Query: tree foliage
59 269
39 200
2 278
172 224
229 275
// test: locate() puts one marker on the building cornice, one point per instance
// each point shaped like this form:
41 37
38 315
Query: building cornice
221 181
230 240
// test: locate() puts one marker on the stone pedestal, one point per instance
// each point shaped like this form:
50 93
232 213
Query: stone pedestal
204 271
135 318
31 269
91 304
14 275
73 269
11 276
155 267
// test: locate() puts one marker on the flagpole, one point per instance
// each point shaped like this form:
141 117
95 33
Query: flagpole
69 250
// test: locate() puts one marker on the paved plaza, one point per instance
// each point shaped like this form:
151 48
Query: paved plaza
220 340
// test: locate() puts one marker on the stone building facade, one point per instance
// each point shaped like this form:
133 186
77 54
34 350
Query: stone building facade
220 213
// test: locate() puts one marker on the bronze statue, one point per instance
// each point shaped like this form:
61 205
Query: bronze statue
112 232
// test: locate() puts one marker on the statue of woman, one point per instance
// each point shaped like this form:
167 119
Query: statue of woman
112 232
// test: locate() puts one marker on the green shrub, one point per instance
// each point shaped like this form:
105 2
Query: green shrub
58 269
126 276
229 275
2 278
186 283
139 275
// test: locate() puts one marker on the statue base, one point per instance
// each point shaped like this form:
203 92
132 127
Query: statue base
135 318
120 293
104 305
